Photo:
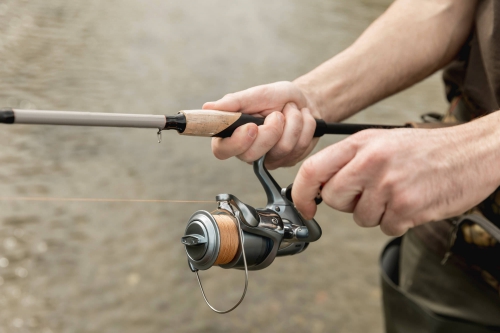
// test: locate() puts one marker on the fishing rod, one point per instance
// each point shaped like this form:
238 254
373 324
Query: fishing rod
207 123
235 235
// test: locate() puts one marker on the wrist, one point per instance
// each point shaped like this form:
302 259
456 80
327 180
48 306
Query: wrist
333 88
491 136
478 143
314 102
321 96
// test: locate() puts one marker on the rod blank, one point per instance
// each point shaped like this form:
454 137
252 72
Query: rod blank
73 118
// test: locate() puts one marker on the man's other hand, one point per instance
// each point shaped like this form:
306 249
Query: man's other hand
404 177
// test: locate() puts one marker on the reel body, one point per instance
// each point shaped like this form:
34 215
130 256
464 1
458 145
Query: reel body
276 230
239 236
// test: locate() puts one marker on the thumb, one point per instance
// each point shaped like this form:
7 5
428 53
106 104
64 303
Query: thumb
229 102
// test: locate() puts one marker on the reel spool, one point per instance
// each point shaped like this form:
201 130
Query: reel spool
212 239
239 236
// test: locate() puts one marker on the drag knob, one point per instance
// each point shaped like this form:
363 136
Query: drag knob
191 240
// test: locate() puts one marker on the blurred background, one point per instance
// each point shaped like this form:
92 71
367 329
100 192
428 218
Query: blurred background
120 267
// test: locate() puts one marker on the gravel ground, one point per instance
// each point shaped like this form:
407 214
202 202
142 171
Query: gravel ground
120 267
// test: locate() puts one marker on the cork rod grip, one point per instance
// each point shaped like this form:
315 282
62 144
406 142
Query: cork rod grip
215 123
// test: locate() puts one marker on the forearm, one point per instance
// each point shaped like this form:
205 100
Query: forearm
479 142
410 41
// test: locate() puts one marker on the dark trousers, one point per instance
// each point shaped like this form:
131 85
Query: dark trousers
422 295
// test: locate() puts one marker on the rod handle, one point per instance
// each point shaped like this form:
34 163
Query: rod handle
219 124
222 124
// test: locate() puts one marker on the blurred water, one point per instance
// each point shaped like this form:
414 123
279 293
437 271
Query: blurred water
120 267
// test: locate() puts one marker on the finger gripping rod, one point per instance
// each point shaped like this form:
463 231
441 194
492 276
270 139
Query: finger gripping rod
208 123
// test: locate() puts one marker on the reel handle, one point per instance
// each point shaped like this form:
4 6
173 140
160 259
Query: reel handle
288 194
278 201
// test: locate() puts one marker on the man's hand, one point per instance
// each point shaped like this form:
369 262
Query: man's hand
410 41
287 133
402 178
397 178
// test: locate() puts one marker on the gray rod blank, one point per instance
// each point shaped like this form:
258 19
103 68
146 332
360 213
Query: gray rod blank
73 118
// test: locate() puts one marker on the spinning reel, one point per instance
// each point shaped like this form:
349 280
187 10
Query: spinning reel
236 235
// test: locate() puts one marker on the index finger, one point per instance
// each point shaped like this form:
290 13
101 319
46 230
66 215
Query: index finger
316 171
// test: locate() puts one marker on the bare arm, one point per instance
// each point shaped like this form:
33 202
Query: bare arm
410 41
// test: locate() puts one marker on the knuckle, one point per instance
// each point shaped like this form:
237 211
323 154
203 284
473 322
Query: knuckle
282 149
297 131
360 220
390 229
302 145
249 156
379 151
294 125
352 142
246 158
329 199
241 144
294 115
309 121
375 159
219 155
226 148
401 203
337 203
395 227
308 169
216 149
289 109
275 133
360 139
389 184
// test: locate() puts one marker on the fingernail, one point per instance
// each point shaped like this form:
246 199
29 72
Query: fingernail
292 104
252 132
